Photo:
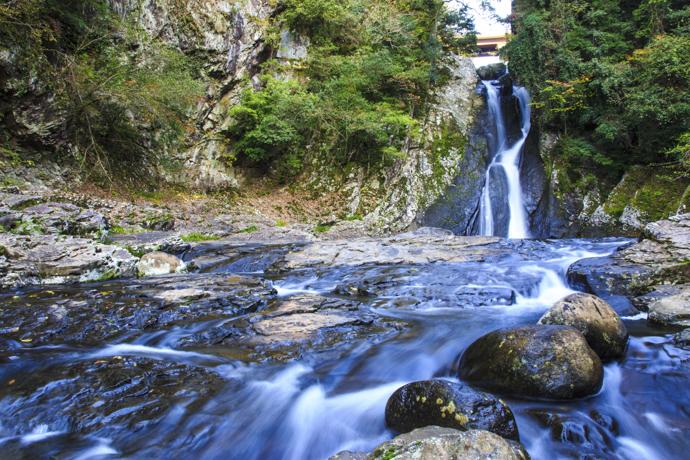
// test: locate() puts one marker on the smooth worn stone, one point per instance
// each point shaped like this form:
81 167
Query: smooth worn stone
492 71
159 263
420 247
671 311
71 315
142 243
636 270
545 362
438 443
595 319
51 259
448 404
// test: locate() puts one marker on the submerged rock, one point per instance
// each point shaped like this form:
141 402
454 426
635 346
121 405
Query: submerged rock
159 263
595 319
549 362
577 434
671 311
436 443
103 395
112 310
448 404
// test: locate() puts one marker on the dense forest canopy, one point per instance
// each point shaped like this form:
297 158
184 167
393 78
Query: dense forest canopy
360 97
612 76
364 90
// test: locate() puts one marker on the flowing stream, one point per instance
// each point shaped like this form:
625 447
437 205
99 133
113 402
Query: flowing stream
505 167
138 392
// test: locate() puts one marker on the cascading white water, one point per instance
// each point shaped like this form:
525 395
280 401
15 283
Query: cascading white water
507 157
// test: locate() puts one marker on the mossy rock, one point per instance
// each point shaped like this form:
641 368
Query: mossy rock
656 191
595 319
437 443
544 362
492 71
448 404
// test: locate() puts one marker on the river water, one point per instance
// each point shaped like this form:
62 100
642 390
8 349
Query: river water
213 402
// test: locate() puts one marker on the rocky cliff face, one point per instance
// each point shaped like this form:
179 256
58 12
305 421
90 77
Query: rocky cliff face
575 204
228 37
444 170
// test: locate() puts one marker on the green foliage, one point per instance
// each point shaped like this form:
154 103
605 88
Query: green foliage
273 124
29 227
612 74
122 108
196 237
250 229
322 228
362 94
120 230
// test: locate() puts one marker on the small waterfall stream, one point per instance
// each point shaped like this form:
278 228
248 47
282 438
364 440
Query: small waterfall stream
505 164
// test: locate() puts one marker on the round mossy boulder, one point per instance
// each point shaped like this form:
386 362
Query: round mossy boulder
595 319
545 362
448 404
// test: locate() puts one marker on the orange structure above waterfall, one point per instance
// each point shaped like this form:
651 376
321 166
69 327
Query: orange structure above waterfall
489 45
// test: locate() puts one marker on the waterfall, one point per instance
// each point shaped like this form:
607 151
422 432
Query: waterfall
506 159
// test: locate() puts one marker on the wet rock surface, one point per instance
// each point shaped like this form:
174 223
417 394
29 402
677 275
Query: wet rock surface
111 310
448 404
159 263
633 272
420 247
293 327
436 443
51 259
103 395
322 344
551 362
673 310
595 319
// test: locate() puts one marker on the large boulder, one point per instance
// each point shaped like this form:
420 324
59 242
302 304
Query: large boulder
671 311
492 71
448 404
159 263
546 362
436 443
598 322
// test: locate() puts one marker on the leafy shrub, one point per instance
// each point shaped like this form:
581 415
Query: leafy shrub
122 109
364 91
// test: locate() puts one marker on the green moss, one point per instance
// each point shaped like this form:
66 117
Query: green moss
281 223
448 140
250 229
135 252
322 228
656 191
387 454
120 230
107 275
29 227
196 237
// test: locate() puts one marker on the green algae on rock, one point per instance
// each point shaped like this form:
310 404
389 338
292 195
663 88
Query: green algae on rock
544 362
